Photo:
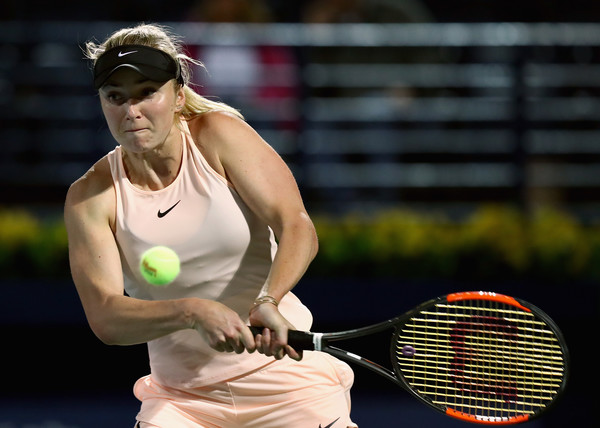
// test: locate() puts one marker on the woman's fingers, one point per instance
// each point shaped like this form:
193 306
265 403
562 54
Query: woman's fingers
293 354
267 344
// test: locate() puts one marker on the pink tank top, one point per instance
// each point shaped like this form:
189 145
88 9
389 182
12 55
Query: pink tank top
225 250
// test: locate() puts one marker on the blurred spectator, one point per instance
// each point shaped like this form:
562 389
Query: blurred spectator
333 11
348 11
262 81
248 11
399 93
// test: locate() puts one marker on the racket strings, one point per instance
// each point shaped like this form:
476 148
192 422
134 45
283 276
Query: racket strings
518 350
481 358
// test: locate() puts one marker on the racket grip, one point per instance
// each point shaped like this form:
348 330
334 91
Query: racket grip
299 340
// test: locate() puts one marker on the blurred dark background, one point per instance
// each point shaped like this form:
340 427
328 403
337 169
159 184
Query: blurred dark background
433 108
296 10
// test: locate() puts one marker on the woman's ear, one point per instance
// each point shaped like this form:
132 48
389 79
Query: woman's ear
180 99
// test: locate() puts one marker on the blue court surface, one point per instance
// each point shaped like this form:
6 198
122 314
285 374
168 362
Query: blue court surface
390 408
108 411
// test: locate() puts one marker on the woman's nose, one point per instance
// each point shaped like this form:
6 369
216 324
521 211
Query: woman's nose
133 108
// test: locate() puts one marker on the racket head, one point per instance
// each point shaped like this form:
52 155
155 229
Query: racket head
481 357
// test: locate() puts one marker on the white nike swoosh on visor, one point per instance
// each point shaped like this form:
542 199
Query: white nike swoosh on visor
125 53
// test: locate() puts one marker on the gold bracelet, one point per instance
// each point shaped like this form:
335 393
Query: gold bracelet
264 299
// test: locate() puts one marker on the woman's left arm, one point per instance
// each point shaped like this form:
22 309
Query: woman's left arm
267 186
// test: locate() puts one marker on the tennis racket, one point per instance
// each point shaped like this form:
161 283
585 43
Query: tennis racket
476 356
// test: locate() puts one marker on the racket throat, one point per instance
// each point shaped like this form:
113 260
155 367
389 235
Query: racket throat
349 356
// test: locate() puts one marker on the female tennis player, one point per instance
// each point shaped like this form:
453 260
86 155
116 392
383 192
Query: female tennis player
190 174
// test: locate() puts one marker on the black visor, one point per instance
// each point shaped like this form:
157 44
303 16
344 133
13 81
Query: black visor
151 63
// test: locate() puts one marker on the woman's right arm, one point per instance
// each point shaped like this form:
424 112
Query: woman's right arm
96 270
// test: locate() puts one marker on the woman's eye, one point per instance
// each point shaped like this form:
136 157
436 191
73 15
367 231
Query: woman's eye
119 98
148 92
115 98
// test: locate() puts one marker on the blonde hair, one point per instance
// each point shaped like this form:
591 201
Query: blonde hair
159 37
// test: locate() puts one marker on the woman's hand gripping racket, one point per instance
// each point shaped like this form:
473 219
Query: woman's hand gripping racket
477 356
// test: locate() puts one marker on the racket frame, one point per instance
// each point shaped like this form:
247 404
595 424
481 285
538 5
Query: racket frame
302 340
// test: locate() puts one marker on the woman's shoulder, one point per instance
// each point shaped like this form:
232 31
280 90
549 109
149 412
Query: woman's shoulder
214 123
95 183
220 131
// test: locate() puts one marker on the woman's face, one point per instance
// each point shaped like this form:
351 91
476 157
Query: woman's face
140 113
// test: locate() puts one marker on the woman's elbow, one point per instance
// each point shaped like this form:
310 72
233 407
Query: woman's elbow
312 236
102 329
103 333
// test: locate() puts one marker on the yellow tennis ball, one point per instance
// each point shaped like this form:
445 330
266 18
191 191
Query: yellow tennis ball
159 265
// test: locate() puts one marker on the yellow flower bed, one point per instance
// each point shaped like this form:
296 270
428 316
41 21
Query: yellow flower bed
495 242
31 247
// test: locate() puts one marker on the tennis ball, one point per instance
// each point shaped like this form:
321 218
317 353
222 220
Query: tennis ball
159 265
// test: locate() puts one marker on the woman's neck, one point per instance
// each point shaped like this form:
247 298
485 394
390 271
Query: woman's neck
155 169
